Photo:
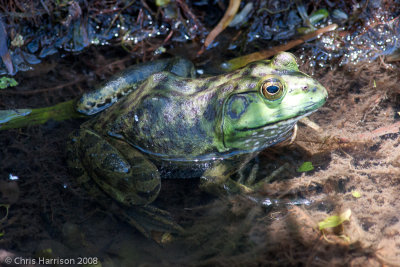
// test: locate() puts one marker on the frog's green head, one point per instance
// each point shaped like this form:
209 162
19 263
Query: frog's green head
258 117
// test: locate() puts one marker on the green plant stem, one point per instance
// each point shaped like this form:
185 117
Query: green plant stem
28 117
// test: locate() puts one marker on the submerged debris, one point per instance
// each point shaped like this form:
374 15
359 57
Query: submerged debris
40 29
335 220
33 30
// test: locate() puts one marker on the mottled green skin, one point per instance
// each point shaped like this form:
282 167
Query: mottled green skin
200 125
127 81
184 119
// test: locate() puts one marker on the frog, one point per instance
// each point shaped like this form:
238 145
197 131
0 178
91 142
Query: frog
158 120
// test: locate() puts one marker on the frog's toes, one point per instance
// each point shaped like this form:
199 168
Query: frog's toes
268 179
248 179
227 187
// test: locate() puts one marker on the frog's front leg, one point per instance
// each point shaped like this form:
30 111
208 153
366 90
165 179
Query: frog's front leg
124 174
218 179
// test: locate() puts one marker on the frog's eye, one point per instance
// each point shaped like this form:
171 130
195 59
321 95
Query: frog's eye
272 89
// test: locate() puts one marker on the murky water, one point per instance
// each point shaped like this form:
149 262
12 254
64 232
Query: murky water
47 216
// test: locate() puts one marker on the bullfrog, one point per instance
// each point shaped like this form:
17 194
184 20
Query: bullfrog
157 120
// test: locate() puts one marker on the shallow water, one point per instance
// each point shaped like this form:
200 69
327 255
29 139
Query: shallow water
356 151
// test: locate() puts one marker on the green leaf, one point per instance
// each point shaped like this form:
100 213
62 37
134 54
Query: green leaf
356 194
335 220
162 3
6 82
318 15
305 167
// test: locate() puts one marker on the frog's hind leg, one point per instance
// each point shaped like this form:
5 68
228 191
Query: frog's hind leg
130 184
120 171
151 217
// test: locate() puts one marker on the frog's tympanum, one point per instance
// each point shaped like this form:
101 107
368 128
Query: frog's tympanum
158 121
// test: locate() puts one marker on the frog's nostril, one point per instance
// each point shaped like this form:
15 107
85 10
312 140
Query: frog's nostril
305 88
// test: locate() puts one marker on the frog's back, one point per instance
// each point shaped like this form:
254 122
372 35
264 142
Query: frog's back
167 118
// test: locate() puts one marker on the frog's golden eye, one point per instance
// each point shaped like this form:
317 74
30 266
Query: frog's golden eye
272 89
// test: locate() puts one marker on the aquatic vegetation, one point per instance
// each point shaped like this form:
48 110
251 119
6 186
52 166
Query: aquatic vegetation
305 167
335 220
6 82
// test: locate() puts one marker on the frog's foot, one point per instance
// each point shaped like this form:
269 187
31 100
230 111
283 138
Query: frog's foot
152 222
228 186
248 177
218 181
248 182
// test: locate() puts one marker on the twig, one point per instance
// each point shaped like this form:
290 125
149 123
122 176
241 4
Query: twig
190 14
118 14
393 128
222 24
244 60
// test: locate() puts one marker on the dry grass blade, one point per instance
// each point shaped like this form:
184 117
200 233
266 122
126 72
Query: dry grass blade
223 23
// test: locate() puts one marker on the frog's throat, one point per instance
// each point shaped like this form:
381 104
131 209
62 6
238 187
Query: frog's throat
262 137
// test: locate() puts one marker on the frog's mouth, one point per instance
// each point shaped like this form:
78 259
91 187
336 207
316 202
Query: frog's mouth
289 121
